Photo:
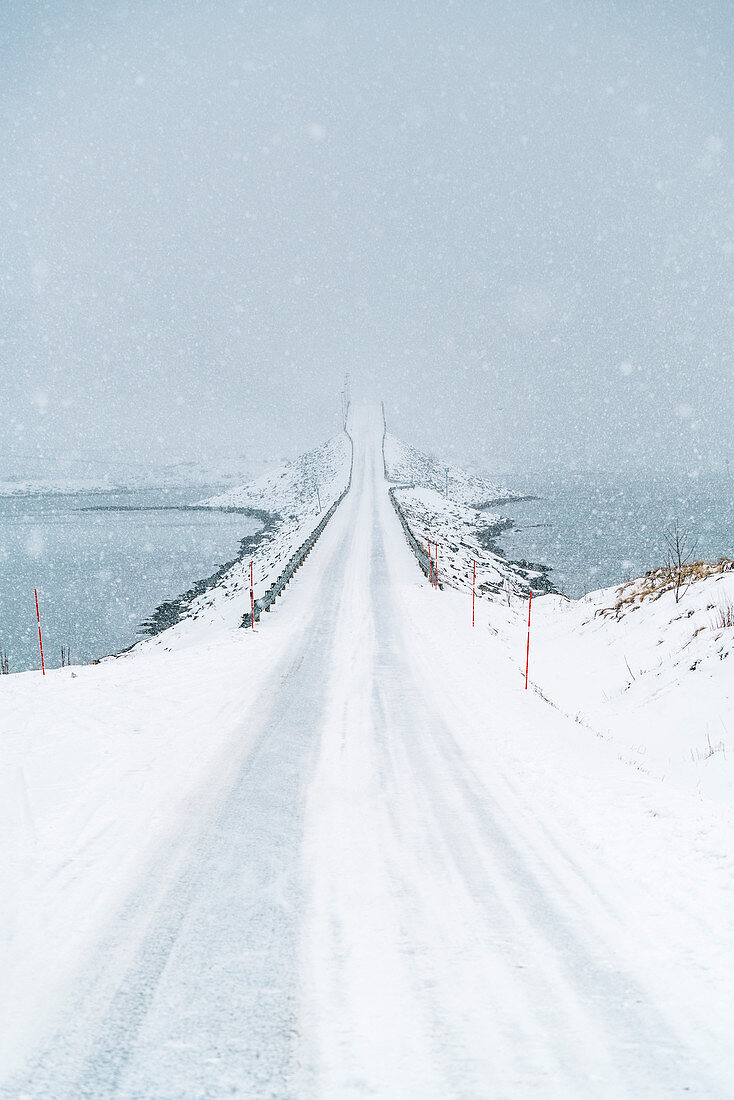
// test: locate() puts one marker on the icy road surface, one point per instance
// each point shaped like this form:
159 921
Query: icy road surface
423 882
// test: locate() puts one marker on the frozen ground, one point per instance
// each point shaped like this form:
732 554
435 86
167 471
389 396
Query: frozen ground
346 854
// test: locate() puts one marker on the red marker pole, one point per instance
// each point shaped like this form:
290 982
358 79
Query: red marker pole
473 584
40 640
435 547
527 651
252 600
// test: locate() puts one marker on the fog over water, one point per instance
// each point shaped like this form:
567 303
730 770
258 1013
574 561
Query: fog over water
513 221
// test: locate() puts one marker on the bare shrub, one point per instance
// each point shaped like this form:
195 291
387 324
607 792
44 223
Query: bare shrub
508 591
680 548
632 594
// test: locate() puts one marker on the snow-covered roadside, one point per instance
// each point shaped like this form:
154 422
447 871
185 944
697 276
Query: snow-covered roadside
407 465
104 767
654 678
101 767
307 485
465 536
294 497
453 512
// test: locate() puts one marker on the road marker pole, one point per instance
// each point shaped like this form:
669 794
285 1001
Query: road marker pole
473 584
252 600
40 640
527 651
435 547
430 562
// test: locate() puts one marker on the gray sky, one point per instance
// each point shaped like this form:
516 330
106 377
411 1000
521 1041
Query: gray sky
513 221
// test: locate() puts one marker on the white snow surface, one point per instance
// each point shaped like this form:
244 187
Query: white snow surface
406 465
447 511
463 536
308 484
657 682
347 854
288 494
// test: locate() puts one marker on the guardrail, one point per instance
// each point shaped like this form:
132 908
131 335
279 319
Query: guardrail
421 556
265 602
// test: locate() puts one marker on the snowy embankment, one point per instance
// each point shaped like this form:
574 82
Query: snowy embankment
292 499
454 512
651 674
631 664
103 768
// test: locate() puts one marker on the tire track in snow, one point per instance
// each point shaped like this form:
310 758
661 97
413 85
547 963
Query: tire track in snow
208 1004
445 955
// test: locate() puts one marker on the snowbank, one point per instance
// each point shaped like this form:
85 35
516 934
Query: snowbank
454 512
406 465
307 485
102 768
466 535
292 499
653 675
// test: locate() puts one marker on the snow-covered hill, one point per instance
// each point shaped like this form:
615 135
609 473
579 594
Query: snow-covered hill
304 486
455 514
291 499
405 465
652 675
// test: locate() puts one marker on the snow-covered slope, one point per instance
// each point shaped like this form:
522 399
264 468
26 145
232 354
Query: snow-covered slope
465 532
305 486
291 499
652 675
407 466
631 663
465 536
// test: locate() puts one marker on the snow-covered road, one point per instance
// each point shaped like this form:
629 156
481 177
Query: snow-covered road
420 881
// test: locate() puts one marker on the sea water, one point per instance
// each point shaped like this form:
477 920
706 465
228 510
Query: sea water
102 562
599 530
